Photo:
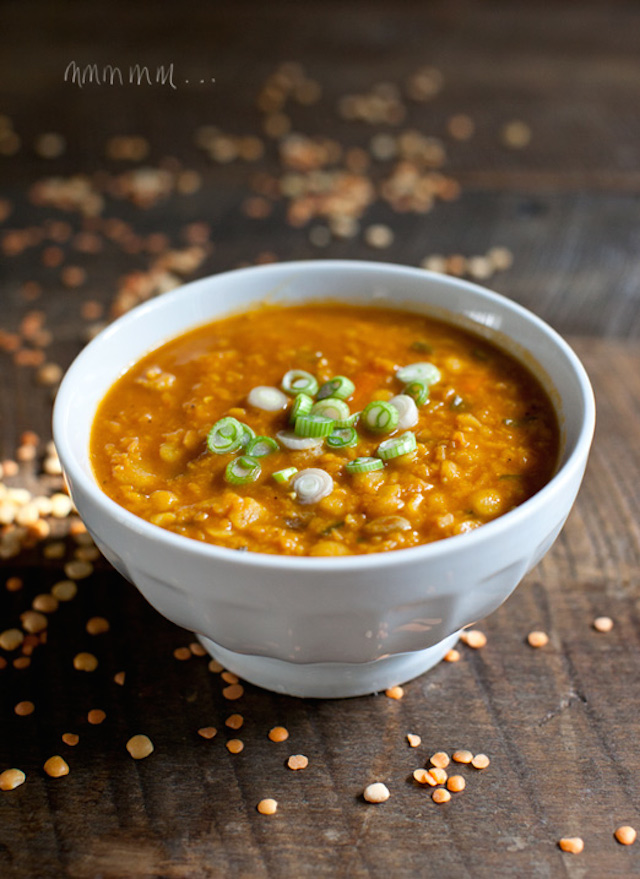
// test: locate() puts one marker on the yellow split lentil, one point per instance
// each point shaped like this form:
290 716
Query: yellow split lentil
572 844
56 767
626 835
377 792
140 746
538 639
268 806
10 779
486 437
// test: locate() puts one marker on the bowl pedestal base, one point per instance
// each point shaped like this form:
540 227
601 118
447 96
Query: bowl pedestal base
329 680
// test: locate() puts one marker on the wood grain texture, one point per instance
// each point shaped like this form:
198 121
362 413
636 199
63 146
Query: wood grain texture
560 723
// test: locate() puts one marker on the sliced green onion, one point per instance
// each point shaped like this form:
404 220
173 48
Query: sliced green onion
313 425
424 372
380 417
343 438
407 411
331 407
285 475
312 485
396 446
242 470
296 443
267 398
419 390
364 465
297 381
351 421
339 386
301 406
247 435
226 436
260 446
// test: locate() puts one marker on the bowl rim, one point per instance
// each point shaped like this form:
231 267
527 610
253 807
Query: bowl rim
333 564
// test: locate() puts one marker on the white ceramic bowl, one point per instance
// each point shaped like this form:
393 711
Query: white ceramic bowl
327 627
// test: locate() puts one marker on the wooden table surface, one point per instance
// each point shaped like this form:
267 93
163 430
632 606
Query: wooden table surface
560 724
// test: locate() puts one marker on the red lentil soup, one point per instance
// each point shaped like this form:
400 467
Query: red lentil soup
324 429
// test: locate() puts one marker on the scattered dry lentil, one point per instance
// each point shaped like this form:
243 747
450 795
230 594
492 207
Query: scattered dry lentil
64 590
462 756
378 236
480 761
573 844
56 767
61 506
215 666
441 795
23 709
70 738
207 732
456 783
394 692
11 639
516 134
473 638
76 569
538 639
377 792
452 655
234 746
96 716
278 734
10 779
436 776
139 746
440 759
413 740
13 584
234 721
229 677
625 835
267 806
233 692
603 624
182 653
421 776
85 662
119 677
33 622
297 761
97 625
45 603
21 662
197 649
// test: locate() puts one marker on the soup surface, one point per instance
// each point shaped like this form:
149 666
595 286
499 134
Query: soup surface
405 430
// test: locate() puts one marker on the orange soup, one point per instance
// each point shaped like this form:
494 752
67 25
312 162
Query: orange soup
324 429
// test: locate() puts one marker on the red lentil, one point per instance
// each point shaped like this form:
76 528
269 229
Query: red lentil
56 767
